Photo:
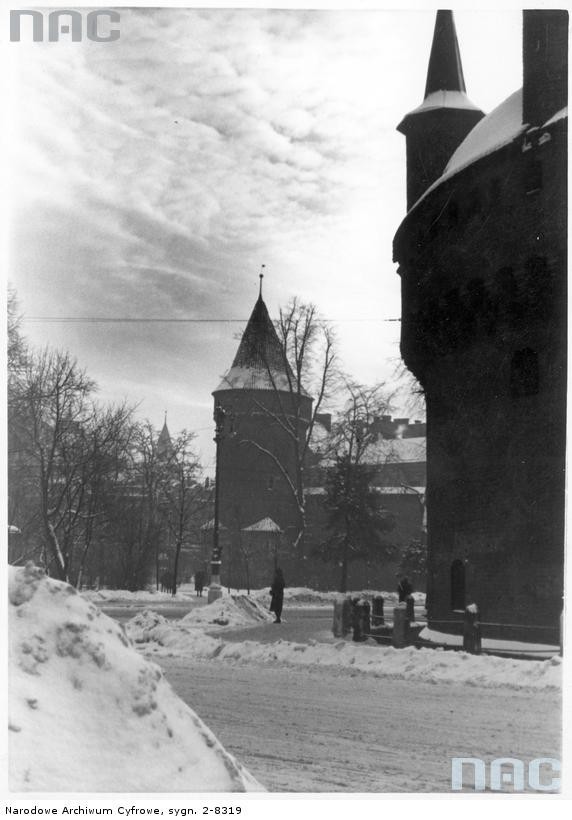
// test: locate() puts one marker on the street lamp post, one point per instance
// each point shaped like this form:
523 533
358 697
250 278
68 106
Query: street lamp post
215 590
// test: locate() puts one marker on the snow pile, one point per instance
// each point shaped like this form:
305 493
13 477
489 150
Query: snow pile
233 610
188 632
88 713
428 665
143 625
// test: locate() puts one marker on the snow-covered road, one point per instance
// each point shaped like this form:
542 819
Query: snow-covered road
318 730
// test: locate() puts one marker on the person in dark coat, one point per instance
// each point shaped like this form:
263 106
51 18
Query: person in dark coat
199 582
277 595
404 588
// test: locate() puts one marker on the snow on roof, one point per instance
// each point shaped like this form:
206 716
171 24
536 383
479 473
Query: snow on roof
397 451
498 128
403 490
88 713
445 99
264 525
560 115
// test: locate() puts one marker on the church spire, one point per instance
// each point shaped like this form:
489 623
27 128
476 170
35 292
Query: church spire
164 443
445 72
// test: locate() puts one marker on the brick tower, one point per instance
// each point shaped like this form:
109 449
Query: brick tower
258 394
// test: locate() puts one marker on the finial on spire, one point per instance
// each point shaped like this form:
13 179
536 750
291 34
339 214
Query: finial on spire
261 277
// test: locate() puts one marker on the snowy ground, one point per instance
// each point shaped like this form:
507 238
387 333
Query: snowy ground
325 715
311 715
88 713
201 635
297 596
313 729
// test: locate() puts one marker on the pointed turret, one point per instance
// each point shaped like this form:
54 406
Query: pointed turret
445 72
437 127
260 363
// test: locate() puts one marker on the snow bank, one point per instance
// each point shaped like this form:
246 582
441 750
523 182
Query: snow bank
302 596
429 665
88 713
233 610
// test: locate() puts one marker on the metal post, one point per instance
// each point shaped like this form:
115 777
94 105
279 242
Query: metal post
472 630
215 590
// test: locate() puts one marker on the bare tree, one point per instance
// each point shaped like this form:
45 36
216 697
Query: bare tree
65 444
412 395
356 520
182 497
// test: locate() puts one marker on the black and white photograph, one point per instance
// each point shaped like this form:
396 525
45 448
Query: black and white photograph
286 295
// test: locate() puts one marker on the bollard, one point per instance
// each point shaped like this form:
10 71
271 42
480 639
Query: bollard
356 621
472 630
410 604
400 626
346 616
366 618
377 617
337 624
360 620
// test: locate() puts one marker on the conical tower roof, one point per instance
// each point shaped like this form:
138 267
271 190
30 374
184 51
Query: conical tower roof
259 363
445 86
260 346
445 72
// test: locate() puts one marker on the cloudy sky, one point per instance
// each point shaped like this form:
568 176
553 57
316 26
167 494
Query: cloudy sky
153 176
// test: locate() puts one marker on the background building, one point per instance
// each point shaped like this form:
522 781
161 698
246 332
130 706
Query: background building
258 509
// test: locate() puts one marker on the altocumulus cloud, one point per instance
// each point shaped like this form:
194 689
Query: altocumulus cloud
152 176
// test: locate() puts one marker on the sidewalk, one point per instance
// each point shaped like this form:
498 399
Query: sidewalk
298 626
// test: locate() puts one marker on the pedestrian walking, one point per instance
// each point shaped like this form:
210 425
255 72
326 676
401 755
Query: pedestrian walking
404 589
277 595
199 582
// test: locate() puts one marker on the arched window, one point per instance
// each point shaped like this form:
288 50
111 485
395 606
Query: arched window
457 585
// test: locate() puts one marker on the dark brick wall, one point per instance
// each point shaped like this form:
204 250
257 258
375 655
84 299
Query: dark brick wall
483 267
545 69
